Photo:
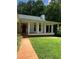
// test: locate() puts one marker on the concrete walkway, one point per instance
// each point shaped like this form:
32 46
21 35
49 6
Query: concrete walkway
26 50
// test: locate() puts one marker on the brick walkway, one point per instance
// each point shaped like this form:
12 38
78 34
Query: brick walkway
26 50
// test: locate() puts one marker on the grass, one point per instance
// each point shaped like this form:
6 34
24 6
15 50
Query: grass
18 41
47 47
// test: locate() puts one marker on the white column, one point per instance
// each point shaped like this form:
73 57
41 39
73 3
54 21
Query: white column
41 27
28 27
44 27
37 27
57 26
51 28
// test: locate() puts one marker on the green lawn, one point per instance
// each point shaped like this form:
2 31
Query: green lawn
18 41
47 47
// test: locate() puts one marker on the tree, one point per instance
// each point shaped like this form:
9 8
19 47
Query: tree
38 8
25 8
30 6
21 8
53 12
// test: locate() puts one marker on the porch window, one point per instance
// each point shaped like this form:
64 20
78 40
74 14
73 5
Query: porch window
39 27
48 28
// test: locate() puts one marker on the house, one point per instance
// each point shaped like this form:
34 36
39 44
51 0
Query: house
34 25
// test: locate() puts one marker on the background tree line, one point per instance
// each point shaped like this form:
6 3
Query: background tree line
37 8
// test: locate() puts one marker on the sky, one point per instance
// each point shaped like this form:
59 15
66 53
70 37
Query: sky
45 1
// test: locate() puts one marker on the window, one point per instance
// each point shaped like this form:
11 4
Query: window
39 27
48 28
34 27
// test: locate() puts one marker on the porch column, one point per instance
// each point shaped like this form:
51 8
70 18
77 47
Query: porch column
41 27
44 27
51 28
57 26
37 27
28 27
18 27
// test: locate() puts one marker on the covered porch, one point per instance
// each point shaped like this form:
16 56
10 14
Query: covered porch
37 28
40 28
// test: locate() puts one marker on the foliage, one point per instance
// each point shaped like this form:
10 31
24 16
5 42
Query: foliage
31 8
57 30
21 8
53 12
18 41
37 8
59 33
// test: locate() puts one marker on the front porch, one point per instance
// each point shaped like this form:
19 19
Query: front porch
37 28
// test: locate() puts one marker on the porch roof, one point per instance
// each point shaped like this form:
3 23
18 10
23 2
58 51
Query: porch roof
29 18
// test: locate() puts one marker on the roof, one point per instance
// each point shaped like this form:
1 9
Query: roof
23 18
29 17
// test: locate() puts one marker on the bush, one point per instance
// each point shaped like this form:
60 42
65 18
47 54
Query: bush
58 33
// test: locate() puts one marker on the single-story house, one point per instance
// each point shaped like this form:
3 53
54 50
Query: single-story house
34 25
